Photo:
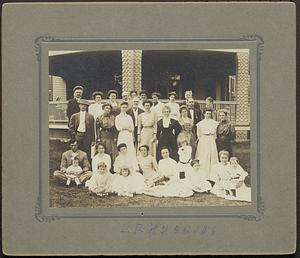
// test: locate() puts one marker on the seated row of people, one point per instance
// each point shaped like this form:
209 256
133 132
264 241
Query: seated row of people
168 178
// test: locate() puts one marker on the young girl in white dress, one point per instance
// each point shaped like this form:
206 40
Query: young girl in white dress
147 163
73 172
206 151
100 182
126 183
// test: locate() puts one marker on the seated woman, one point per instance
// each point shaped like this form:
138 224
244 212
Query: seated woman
188 173
100 182
147 163
170 182
125 159
100 156
221 174
237 188
230 177
126 183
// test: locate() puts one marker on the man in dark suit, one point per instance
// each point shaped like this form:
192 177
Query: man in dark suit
66 161
73 106
189 94
134 112
194 112
81 128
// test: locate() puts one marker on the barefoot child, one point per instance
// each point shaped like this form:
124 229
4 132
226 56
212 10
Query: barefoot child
73 172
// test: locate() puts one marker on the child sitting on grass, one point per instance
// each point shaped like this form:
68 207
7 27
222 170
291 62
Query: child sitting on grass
100 182
122 183
73 172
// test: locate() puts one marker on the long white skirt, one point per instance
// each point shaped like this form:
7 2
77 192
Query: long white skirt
207 154
127 138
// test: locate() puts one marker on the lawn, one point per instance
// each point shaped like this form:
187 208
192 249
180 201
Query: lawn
62 197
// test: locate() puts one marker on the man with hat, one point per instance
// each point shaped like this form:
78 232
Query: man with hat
112 100
143 97
81 127
66 161
73 106
156 105
173 105
95 109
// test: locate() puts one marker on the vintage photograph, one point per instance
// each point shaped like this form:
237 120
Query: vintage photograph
149 128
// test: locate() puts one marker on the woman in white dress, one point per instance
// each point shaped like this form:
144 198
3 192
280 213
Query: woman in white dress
95 109
173 105
147 163
125 127
147 127
125 159
171 183
101 156
206 151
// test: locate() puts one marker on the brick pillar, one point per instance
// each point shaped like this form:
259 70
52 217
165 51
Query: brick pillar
131 70
242 96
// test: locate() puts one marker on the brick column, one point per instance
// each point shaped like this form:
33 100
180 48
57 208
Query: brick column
131 70
242 96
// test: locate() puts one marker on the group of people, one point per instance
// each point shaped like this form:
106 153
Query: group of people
138 145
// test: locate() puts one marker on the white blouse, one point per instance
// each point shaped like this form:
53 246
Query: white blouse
103 158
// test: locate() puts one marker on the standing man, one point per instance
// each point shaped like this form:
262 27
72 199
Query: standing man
66 161
81 128
187 95
157 105
126 98
134 113
194 113
73 106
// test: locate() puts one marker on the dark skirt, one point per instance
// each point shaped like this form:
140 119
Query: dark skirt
170 141
224 144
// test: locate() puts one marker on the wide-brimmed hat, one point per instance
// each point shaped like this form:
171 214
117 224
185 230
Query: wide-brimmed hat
96 93
111 91
143 92
78 87
156 94
172 93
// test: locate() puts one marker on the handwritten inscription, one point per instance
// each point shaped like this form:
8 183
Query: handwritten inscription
161 229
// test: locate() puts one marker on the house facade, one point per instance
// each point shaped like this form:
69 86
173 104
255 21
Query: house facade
222 74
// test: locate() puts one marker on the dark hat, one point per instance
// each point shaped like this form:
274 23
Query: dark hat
172 93
84 102
111 91
97 93
156 94
77 88
143 92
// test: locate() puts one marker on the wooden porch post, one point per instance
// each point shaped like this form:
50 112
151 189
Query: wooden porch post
131 70
242 99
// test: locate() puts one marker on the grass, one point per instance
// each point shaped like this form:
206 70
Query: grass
62 197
